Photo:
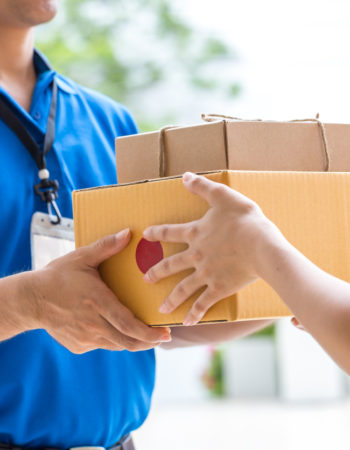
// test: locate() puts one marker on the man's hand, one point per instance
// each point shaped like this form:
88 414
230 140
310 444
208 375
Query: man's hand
72 303
224 247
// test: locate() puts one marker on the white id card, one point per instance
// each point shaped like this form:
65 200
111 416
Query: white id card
49 241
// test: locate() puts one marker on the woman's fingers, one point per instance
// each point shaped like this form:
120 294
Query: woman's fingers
205 301
181 292
172 265
167 233
297 324
214 193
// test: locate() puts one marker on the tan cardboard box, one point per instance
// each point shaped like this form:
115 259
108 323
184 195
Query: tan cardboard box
312 210
235 145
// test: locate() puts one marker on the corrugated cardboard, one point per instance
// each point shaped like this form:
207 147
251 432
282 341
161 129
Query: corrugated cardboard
250 145
311 209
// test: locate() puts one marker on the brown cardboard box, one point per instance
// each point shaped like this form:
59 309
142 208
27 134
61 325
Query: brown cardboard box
235 145
311 209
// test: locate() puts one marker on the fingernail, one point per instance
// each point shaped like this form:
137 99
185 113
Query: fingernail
188 176
188 322
146 278
164 309
165 338
123 234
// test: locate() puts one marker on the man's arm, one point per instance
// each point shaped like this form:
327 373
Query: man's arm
213 333
70 301
16 304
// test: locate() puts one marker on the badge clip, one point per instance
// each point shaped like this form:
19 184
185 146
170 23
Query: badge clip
47 190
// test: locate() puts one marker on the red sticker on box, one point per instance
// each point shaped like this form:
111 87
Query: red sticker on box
148 254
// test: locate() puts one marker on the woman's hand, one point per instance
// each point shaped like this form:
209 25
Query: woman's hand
225 248
297 324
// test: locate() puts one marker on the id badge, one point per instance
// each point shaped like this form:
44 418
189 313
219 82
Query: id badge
48 241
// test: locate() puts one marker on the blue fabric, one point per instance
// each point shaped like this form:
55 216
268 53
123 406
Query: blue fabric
49 396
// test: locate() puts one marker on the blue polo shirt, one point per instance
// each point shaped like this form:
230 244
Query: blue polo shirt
50 397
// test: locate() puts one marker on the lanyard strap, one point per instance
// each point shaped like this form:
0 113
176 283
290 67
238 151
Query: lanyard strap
46 189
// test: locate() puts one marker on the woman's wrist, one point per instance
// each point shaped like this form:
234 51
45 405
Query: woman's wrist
272 249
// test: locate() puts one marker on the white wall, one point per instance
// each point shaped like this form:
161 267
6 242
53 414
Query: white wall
294 56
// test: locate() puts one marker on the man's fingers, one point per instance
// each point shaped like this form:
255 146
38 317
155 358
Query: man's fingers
181 292
106 344
136 346
171 265
167 233
122 319
94 254
115 340
205 301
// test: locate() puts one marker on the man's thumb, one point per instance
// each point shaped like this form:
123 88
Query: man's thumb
104 248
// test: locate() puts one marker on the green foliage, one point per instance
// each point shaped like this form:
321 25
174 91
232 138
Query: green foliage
269 331
126 48
212 378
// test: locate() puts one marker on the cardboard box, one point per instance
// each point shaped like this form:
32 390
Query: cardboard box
235 145
311 209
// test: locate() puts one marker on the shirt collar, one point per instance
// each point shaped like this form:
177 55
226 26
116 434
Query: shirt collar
43 65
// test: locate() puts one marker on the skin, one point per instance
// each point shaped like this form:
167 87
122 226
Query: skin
221 276
17 21
68 298
234 244
70 301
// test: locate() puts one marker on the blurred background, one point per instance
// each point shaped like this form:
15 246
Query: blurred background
168 61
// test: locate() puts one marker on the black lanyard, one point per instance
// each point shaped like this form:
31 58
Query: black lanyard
46 188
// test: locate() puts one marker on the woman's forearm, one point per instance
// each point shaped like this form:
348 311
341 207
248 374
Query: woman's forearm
213 333
320 301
